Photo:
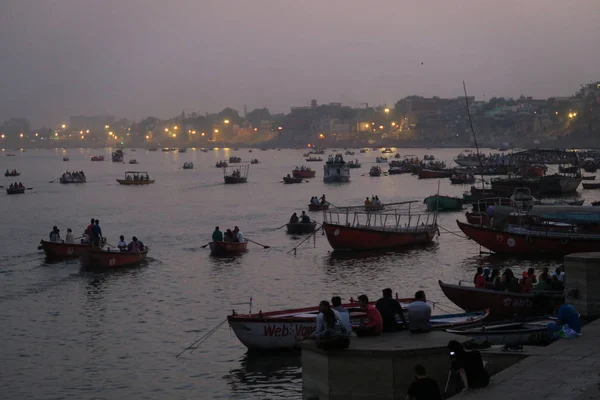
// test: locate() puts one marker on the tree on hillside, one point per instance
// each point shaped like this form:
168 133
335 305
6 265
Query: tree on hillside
257 115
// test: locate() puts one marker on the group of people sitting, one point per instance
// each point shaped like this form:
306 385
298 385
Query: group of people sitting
13 172
16 185
302 168
236 173
334 327
485 278
338 159
305 219
372 202
76 175
316 201
135 245
55 236
229 236
137 177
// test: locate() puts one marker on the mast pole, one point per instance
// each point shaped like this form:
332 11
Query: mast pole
474 136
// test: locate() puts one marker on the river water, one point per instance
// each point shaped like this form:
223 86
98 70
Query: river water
68 333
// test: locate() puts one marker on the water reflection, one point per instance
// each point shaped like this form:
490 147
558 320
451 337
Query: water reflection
267 375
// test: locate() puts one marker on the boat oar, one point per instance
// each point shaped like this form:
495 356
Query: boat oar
54 180
264 247
29 188
281 226
203 247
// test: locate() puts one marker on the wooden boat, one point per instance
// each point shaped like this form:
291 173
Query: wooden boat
318 207
398 170
10 155
221 164
300 228
97 158
502 303
237 174
591 185
375 171
227 248
135 178
349 153
182 150
387 150
381 160
425 173
60 250
336 170
353 164
254 161
12 173
65 158
374 207
15 191
281 329
153 149
462 180
94 258
289 180
589 178
528 332
235 160
117 155
314 159
354 229
530 242
188 165
443 203
133 162
66 179
303 173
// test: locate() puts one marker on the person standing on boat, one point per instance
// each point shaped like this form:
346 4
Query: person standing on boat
389 307
237 235
372 324
122 244
323 199
479 280
96 233
55 234
88 231
419 314
69 238
336 302
367 202
217 235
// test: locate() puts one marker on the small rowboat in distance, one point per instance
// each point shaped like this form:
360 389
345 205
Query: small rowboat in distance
314 159
15 191
134 178
300 228
591 185
289 179
227 248
61 251
318 207
528 332
94 258
12 173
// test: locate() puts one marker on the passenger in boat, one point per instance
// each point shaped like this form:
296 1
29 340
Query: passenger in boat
21 185
69 238
122 244
494 282
545 281
217 235
11 186
389 307
96 233
316 201
331 332
567 315
305 218
479 280
469 366
55 234
526 283
419 314
294 218
367 202
336 302
531 274
372 324
228 237
323 199
423 387
558 276
486 274
510 283
237 235
135 245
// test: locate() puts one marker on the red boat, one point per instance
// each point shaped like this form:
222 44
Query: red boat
523 240
498 302
60 250
299 173
318 207
227 248
477 218
433 174
93 258
353 228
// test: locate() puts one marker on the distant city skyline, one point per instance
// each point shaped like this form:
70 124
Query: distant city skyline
136 58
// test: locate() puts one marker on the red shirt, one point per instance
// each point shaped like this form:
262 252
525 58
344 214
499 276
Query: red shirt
374 320
480 282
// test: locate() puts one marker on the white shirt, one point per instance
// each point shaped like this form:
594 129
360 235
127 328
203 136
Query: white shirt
344 317
122 244
240 237
419 314
69 238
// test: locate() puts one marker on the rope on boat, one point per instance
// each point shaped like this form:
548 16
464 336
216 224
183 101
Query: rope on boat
309 236
453 233
198 342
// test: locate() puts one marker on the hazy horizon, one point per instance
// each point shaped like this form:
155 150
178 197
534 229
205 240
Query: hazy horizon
135 58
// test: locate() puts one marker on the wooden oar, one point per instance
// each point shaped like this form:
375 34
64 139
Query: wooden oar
281 226
252 241
29 188
54 180
203 247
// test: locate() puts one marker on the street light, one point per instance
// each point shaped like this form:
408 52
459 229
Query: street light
87 131
255 129
63 126
226 121
106 127
3 136
20 135
393 124
216 131
175 127
387 110
321 136
380 126
147 137
166 129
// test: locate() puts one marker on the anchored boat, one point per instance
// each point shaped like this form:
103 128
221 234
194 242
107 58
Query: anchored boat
336 170
354 228
136 178
303 172
237 174
528 332
95 258
443 203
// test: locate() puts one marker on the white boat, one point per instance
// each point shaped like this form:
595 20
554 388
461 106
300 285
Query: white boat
336 170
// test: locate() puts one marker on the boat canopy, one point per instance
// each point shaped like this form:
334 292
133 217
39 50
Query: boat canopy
578 214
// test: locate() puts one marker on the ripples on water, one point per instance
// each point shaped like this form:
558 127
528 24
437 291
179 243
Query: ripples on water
68 333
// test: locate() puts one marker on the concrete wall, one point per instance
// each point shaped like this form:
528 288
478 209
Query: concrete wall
582 272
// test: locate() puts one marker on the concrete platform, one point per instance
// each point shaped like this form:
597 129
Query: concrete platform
567 369
376 367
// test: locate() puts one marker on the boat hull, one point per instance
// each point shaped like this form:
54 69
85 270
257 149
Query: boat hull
15 191
303 174
234 179
346 238
431 174
508 334
466 163
134 183
318 207
443 203
67 181
61 251
501 303
300 228
227 248
528 244
291 180
94 258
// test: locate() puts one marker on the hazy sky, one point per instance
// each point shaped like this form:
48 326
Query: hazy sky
134 58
